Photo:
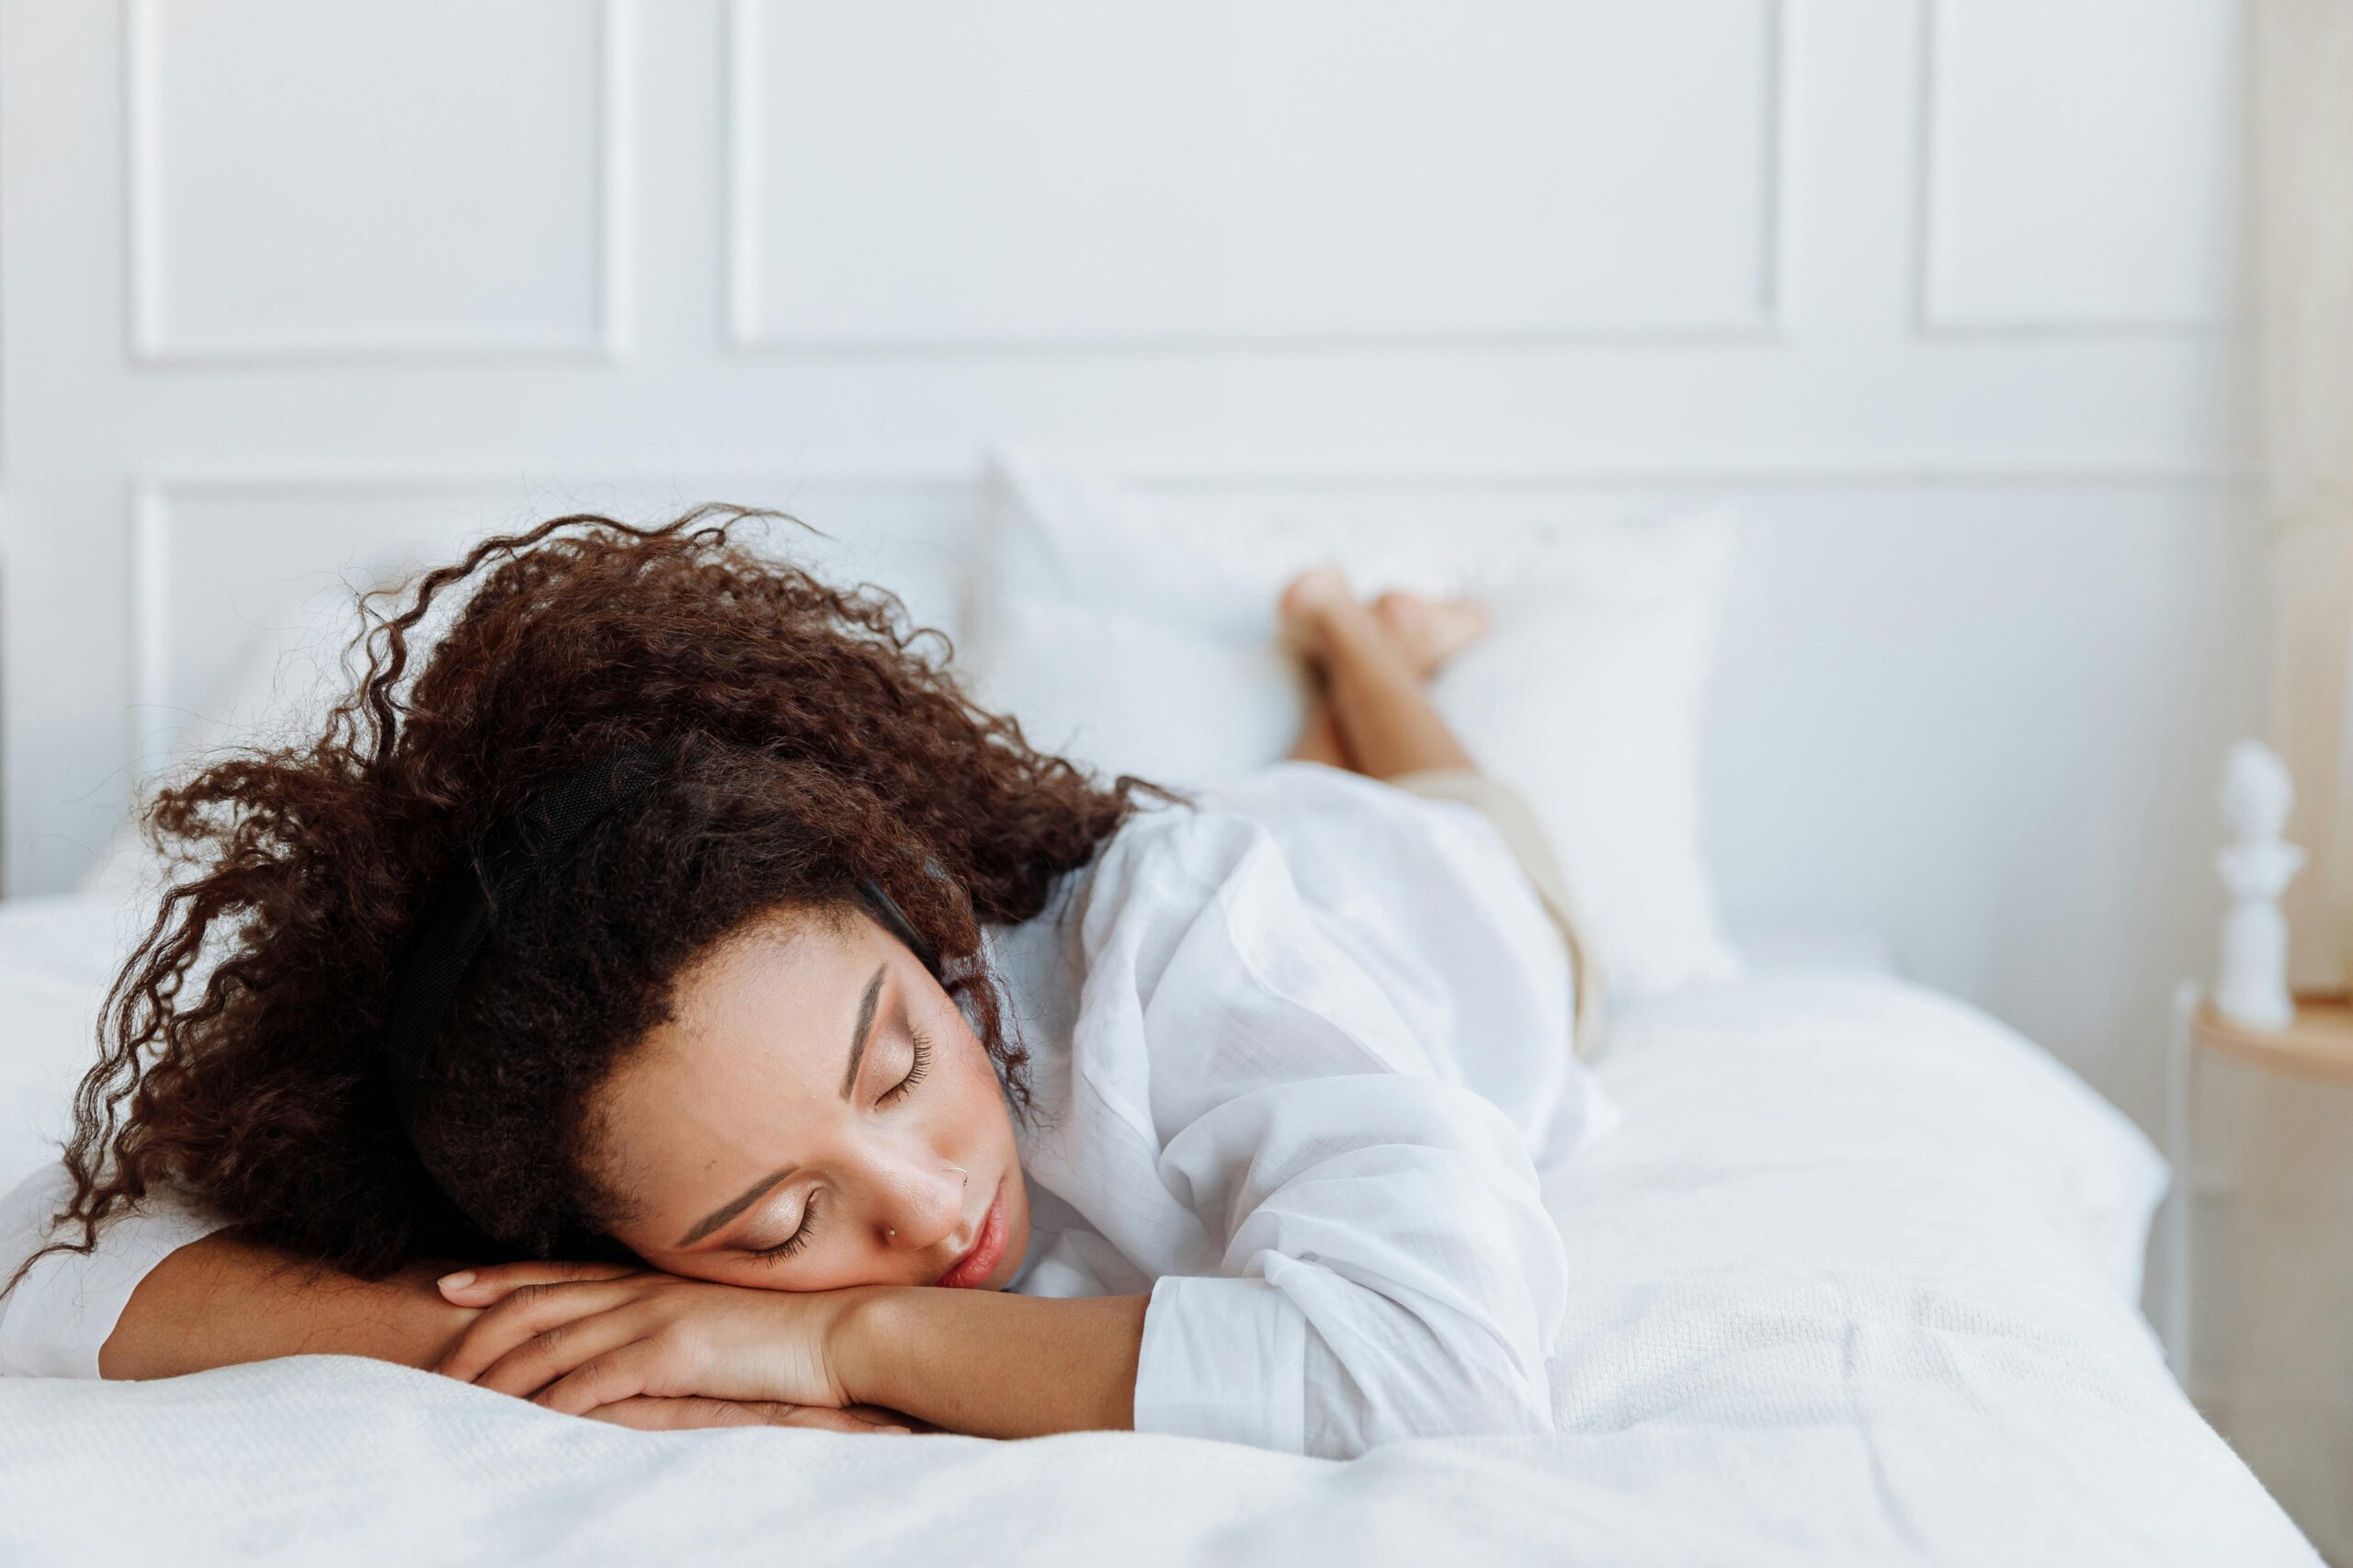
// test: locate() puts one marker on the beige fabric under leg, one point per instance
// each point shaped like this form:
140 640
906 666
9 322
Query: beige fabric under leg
1508 810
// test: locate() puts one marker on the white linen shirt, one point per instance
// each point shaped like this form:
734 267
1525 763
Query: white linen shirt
1296 1054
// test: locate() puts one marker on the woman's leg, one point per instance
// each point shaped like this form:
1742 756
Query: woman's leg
1371 665
1319 737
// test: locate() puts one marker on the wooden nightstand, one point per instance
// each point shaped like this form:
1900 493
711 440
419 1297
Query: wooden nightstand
2317 1043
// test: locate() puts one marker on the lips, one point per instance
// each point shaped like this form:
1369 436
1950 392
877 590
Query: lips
975 1265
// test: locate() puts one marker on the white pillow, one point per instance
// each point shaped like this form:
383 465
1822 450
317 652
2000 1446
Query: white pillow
1138 635
57 956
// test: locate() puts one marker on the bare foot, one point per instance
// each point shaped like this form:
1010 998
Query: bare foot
1428 633
1308 605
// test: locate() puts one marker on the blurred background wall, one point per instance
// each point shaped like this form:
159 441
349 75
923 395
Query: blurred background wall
1940 289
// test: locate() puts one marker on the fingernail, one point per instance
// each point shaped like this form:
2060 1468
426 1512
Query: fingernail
458 1281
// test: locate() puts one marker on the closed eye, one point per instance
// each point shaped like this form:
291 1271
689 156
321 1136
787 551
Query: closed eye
916 1071
798 1239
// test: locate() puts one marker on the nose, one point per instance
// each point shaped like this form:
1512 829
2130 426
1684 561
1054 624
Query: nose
921 1203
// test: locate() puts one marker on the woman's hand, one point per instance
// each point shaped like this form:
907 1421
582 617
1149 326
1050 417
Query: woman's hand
588 1337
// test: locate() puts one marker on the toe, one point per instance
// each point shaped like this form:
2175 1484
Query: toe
1455 624
1405 615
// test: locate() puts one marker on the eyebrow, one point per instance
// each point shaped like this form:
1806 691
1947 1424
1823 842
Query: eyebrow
859 1034
734 1206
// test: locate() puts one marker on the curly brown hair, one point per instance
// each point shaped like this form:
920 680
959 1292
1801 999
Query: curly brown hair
806 739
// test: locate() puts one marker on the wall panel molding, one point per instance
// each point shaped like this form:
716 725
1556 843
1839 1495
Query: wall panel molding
435 508
154 341
1762 322
937 475
935 494
1936 312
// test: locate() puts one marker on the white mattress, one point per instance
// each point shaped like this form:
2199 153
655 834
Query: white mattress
1854 1284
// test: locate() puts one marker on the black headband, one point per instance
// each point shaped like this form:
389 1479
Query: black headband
458 918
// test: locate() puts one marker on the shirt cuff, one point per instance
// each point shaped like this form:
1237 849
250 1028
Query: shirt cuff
61 1314
1225 1358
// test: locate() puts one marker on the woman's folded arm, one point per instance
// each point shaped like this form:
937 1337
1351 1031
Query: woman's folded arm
167 1290
225 1299
991 1363
1389 1273
1372 1260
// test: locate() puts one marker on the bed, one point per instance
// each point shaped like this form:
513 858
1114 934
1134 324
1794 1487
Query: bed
1854 1282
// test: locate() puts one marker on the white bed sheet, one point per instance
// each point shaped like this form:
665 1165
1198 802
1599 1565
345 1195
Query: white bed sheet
1853 1284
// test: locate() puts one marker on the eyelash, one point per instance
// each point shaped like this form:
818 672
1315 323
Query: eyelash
799 1238
922 1064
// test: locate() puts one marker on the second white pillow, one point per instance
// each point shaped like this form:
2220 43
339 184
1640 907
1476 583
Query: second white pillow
1138 636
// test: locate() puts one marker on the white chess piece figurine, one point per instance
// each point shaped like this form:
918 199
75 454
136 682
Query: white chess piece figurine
2256 866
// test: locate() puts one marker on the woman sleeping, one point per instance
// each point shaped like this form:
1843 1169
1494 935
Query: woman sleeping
674 1002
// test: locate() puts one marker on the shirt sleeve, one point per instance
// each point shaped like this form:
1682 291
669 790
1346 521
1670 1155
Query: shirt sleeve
1378 1264
55 1321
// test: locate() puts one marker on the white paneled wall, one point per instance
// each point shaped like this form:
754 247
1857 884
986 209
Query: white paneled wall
287 290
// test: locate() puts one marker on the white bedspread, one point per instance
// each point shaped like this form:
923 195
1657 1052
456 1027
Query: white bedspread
1853 1285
